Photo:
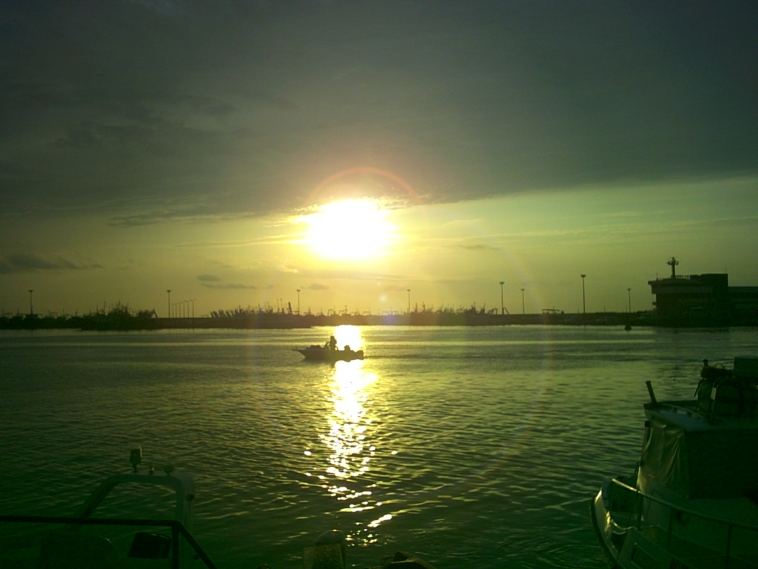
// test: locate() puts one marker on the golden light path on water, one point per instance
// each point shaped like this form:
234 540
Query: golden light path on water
350 422
348 470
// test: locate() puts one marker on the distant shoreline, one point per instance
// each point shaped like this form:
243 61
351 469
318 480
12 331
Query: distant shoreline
275 320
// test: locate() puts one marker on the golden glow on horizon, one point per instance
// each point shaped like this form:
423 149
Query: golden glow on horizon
349 230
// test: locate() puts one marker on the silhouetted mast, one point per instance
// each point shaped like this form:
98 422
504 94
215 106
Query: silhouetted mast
673 263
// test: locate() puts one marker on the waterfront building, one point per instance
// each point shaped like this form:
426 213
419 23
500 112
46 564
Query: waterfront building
705 299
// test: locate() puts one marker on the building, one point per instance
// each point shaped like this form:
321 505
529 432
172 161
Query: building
703 300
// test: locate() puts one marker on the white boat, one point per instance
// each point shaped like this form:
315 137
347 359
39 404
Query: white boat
167 543
692 502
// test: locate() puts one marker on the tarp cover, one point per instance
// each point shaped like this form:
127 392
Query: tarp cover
718 463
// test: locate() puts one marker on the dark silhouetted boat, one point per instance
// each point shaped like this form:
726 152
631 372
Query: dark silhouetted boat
692 502
322 354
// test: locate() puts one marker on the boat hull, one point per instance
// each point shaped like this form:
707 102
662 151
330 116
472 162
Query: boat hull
627 547
319 354
630 541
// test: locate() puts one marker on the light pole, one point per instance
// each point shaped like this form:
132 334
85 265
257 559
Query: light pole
502 306
523 306
31 305
584 303
409 301
169 302
629 292
298 302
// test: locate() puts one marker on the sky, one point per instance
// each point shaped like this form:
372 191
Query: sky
202 147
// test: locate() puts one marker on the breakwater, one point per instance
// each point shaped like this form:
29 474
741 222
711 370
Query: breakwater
278 320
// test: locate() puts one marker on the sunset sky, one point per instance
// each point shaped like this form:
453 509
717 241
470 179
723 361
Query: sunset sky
237 151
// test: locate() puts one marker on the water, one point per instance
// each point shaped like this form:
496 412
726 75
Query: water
472 447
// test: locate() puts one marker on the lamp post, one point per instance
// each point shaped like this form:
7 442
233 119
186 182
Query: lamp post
523 306
584 303
31 305
629 293
409 301
169 302
502 306
298 302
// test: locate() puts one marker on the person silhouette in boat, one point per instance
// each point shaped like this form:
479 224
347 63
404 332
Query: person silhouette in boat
332 343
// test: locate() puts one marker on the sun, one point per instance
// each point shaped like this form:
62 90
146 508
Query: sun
349 230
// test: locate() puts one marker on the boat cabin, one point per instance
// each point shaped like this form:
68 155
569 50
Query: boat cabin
706 448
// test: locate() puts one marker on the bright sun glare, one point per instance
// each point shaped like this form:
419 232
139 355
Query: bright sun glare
349 230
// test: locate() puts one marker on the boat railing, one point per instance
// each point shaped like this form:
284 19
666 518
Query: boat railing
177 530
631 502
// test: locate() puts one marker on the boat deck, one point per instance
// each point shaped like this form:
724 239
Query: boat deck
697 556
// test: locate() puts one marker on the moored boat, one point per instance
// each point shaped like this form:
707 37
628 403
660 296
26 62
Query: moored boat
692 502
326 354
167 543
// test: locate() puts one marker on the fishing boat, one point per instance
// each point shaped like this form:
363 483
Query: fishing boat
326 354
692 501
158 543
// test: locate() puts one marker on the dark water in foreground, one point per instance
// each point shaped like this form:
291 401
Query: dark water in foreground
472 447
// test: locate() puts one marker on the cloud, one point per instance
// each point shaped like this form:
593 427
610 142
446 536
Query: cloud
230 286
208 278
396 288
346 274
316 286
152 102
478 247
25 262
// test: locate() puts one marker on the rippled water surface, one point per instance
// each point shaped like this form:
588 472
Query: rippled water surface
472 447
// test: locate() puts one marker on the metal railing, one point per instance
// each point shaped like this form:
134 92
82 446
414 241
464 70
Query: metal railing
177 529
677 511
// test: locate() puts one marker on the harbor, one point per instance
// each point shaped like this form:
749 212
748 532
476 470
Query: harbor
469 446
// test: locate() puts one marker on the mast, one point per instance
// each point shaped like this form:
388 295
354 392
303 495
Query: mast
673 263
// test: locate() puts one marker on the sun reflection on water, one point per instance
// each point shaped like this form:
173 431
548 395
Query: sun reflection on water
348 426
348 438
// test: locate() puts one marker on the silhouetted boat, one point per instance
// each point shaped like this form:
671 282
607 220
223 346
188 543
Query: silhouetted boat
692 501
322 354
174 547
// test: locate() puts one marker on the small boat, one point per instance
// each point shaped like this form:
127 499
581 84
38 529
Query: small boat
322 354
692 501
167 544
